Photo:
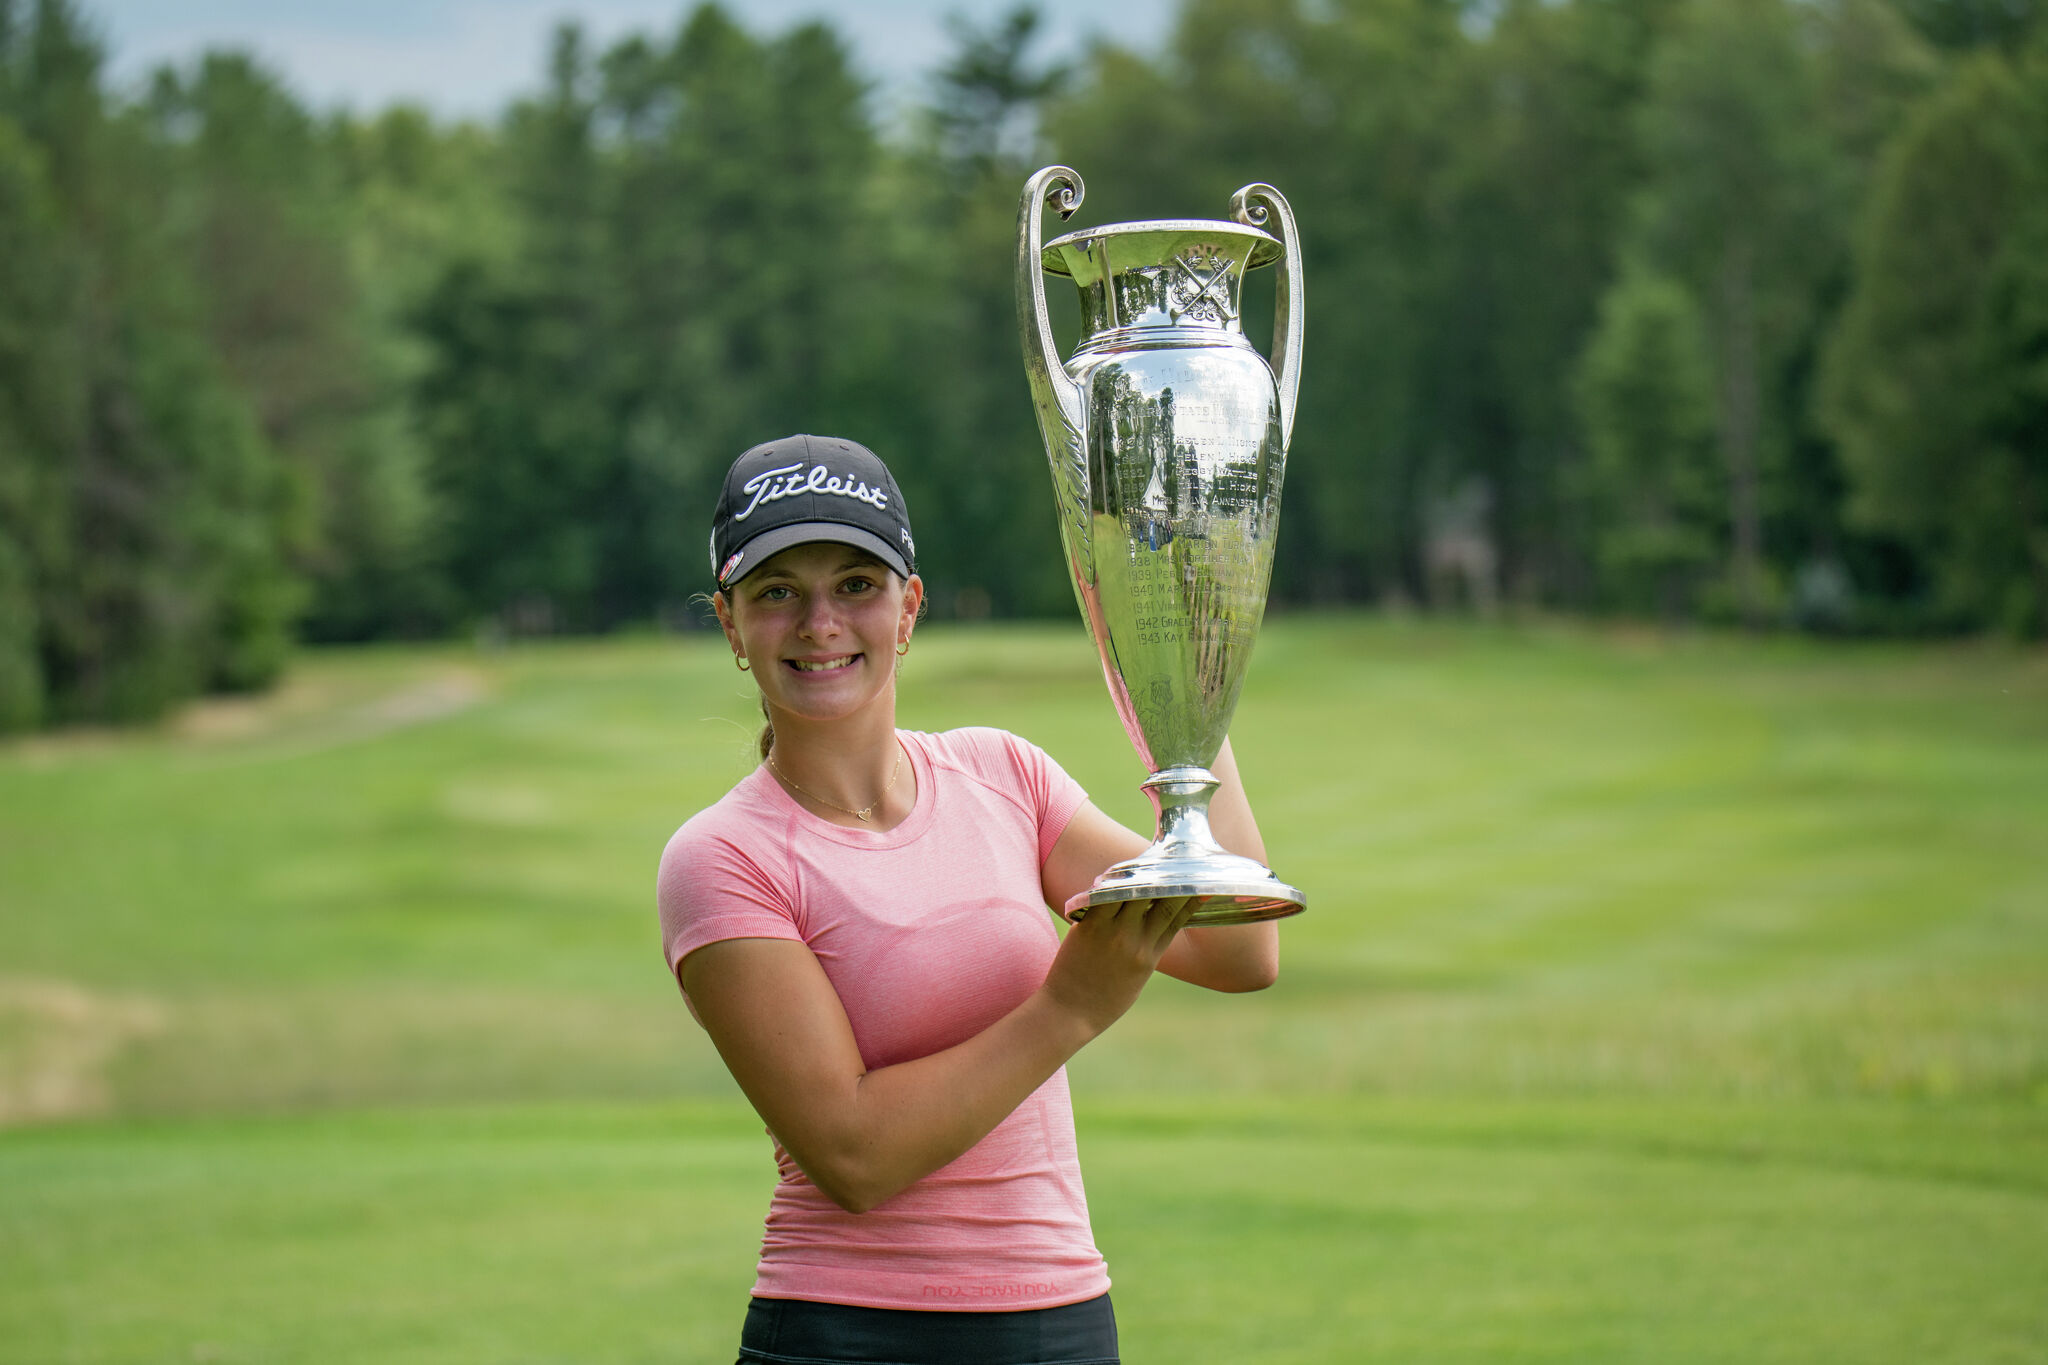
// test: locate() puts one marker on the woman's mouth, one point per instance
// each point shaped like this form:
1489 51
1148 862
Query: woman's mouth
822 665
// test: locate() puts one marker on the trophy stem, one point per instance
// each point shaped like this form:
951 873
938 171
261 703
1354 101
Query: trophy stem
1180 803
1186 860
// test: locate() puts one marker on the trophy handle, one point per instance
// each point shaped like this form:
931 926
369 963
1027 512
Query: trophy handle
1058 188
1253 206
1053 391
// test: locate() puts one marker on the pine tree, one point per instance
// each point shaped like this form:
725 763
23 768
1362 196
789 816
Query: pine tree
148 515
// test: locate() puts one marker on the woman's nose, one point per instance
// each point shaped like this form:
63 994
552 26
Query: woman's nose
820 616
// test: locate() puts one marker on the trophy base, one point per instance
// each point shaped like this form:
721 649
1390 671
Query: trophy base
1234 890
1186 860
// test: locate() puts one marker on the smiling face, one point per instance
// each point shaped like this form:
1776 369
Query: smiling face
820 624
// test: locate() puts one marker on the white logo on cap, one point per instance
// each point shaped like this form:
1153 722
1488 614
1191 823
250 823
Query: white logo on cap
788 481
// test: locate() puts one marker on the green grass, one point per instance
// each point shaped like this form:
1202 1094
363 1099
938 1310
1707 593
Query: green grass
1281 1230
1661 998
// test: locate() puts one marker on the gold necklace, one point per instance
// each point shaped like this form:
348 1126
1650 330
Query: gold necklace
861 815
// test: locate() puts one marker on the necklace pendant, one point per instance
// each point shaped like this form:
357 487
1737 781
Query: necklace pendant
863 815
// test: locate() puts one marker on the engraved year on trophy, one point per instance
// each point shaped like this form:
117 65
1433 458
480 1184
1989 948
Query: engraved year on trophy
1167 432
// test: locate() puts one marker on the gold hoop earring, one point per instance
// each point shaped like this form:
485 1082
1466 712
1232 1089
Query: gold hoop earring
739 661
903 649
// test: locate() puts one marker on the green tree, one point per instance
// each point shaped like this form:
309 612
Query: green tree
271 222
698 266
1963 24
975 477
1645 394
418 197
39 378
1742 203
155 515
990 93
1935 382
514 401
1536 198
744 241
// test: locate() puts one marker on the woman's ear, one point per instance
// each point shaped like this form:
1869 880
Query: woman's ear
913 604
723 607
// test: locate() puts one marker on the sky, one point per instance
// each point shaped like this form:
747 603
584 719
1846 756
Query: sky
468 58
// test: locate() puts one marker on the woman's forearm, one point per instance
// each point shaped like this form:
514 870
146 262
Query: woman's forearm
900 1123
1230 810
861 1135
1236 957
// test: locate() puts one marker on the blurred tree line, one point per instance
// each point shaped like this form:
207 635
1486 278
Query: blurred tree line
1727 310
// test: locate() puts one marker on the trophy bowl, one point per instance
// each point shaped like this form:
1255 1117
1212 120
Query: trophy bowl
1167 435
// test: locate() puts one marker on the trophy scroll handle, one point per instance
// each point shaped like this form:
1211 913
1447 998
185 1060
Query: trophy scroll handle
1261 206
1053 392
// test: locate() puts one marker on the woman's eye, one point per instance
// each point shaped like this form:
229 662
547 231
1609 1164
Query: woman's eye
774 594
858 585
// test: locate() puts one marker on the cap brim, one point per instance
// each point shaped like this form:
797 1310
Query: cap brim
769 543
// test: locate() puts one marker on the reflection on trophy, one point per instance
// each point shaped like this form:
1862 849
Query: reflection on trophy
1167 433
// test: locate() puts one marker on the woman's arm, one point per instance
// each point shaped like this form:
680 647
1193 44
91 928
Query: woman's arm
1237 957
862 1136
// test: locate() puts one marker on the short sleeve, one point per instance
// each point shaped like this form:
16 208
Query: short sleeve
1029 775
710 889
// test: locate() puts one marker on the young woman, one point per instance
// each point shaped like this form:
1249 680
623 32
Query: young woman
861 926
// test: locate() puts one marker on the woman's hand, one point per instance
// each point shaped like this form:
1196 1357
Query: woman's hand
1105 960
1234 957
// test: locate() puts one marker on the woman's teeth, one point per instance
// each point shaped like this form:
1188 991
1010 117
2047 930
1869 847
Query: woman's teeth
807 666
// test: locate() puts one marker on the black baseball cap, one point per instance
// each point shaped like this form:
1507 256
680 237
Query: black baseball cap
799 489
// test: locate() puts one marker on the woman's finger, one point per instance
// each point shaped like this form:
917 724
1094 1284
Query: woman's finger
1103 916
1168 917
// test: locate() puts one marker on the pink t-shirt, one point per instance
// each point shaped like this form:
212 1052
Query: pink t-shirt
930 932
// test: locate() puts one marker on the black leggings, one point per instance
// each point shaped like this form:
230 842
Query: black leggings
798 1332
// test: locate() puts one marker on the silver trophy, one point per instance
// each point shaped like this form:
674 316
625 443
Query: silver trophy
1168 433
